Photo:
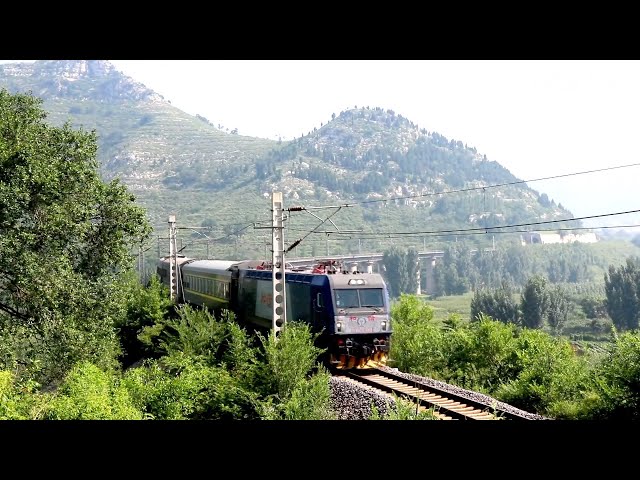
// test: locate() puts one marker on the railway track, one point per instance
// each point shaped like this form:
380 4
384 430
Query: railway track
446 405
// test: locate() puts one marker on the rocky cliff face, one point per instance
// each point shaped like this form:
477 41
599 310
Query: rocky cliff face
96 80
74 69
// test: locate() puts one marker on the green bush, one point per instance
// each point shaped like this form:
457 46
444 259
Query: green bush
194 332
527 368
20 401
66 238
288 359
479 355
416 342
212 371
291 381
309 400
206 372
410 310
146 307
240 357
548 374
88 393
180 388
618 380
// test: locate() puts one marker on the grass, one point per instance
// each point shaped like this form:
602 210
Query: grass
444 306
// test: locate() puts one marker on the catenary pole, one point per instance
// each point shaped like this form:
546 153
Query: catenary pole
173 259
277 261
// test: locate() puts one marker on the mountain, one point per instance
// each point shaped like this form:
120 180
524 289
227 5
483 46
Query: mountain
368 177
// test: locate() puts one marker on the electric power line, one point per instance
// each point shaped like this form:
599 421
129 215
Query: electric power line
481 229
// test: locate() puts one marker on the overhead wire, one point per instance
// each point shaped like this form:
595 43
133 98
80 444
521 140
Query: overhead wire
461 231
216 239
464 233
485 229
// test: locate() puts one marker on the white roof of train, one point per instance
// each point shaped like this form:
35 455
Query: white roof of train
209 266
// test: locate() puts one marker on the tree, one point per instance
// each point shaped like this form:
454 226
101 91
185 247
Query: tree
543 199
455 269
65 239
558 308
413 263
619 379
147 306
401 271
534 302
497 304
621 288
395 268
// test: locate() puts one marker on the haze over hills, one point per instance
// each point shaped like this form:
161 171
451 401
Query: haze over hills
388 181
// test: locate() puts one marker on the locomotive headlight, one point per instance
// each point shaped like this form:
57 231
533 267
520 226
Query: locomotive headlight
357 281
383 325
338 326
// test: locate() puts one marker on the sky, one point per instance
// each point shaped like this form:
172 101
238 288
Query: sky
537 118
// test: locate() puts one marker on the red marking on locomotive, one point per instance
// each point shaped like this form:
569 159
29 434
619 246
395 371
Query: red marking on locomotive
266 299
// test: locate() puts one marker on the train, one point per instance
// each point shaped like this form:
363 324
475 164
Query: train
348 309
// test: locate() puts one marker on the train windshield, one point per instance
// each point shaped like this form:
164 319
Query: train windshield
361 297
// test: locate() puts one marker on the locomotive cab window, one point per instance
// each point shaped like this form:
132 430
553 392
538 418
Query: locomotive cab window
371 297
354 298
347 298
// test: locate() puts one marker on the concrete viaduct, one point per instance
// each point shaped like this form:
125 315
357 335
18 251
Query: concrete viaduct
371 260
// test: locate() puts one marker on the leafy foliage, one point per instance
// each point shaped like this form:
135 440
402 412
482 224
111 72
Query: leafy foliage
400 270
534 302
622 287
147 306
194 333
183 388
309 400
20 400
463 268
204 370
479 355
546 371
558 308
527 368
453 275
64 239
498 303
416 344
284 377
88 393
211 370
618 383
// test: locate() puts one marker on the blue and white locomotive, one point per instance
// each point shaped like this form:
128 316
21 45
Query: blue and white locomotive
349 309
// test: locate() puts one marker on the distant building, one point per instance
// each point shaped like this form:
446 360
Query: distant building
546 238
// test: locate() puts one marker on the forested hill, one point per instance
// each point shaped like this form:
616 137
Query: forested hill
401 177
376 153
